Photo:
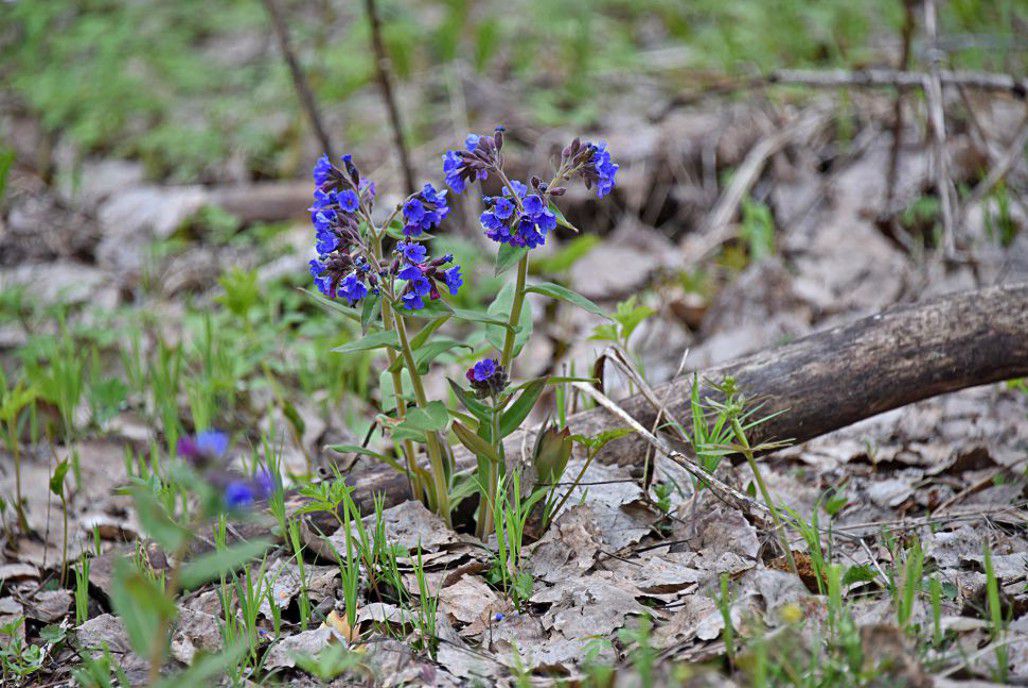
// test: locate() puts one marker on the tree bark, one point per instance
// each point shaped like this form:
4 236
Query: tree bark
829 379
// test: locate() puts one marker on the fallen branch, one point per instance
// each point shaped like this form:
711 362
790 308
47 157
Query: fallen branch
893 78
830 379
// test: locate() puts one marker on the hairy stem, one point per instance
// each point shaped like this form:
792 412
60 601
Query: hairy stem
740 436
515 313
388 320
435 450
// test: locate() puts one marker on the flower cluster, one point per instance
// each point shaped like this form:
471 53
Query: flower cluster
340 197
481 155
521 218
593 162
423 211
347 269
423 277
487 378
206 451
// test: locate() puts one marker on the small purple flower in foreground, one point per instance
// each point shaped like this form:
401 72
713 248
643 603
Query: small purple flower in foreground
239 494
487 377
498 617
454 281
206 447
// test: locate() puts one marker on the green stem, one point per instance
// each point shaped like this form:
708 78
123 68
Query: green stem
488 500
740 436
417 486
435 450
515 313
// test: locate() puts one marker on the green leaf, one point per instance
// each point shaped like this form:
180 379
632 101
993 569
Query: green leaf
563 293
214 565
378 340
561 220
156 522
432 350
57 479
479 317
370 311
140 605
516 414
477 445
858 574
332 306
508 256
479 410
432 309
431 418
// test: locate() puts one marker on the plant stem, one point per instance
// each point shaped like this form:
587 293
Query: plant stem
435 450
19 507
740 435
515 313
388 320
488 500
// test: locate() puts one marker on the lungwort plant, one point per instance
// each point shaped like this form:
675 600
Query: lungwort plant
381 273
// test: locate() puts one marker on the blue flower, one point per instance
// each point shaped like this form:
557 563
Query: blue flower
347 200
413 211
451 170
239 494
533 205
605 170
321 280
352 289
212 442
502 208
454 281
484 369
471 141
325 241
411 251
322 170
519 188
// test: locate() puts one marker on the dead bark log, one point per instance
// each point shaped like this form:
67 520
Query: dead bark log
832 379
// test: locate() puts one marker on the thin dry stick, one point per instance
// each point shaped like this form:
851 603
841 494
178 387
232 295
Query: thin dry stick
384 82
878 78
724 491
303 90
933 96
907 33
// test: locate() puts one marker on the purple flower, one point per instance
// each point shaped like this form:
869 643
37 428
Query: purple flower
206 446
322 170
502 208
487 377
411 251
265 483
424 211
484 369
352 289
239 494
347 200
479 157
533 205
605 170
454 281
413 211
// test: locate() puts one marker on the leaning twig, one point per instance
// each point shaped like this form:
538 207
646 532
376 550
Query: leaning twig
303 89
723 490
897 107
892 78
940 162
382 73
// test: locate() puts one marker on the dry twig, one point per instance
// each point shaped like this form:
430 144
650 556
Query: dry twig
303 89
382 73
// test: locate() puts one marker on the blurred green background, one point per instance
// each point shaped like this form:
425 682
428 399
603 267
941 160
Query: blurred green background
182 84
